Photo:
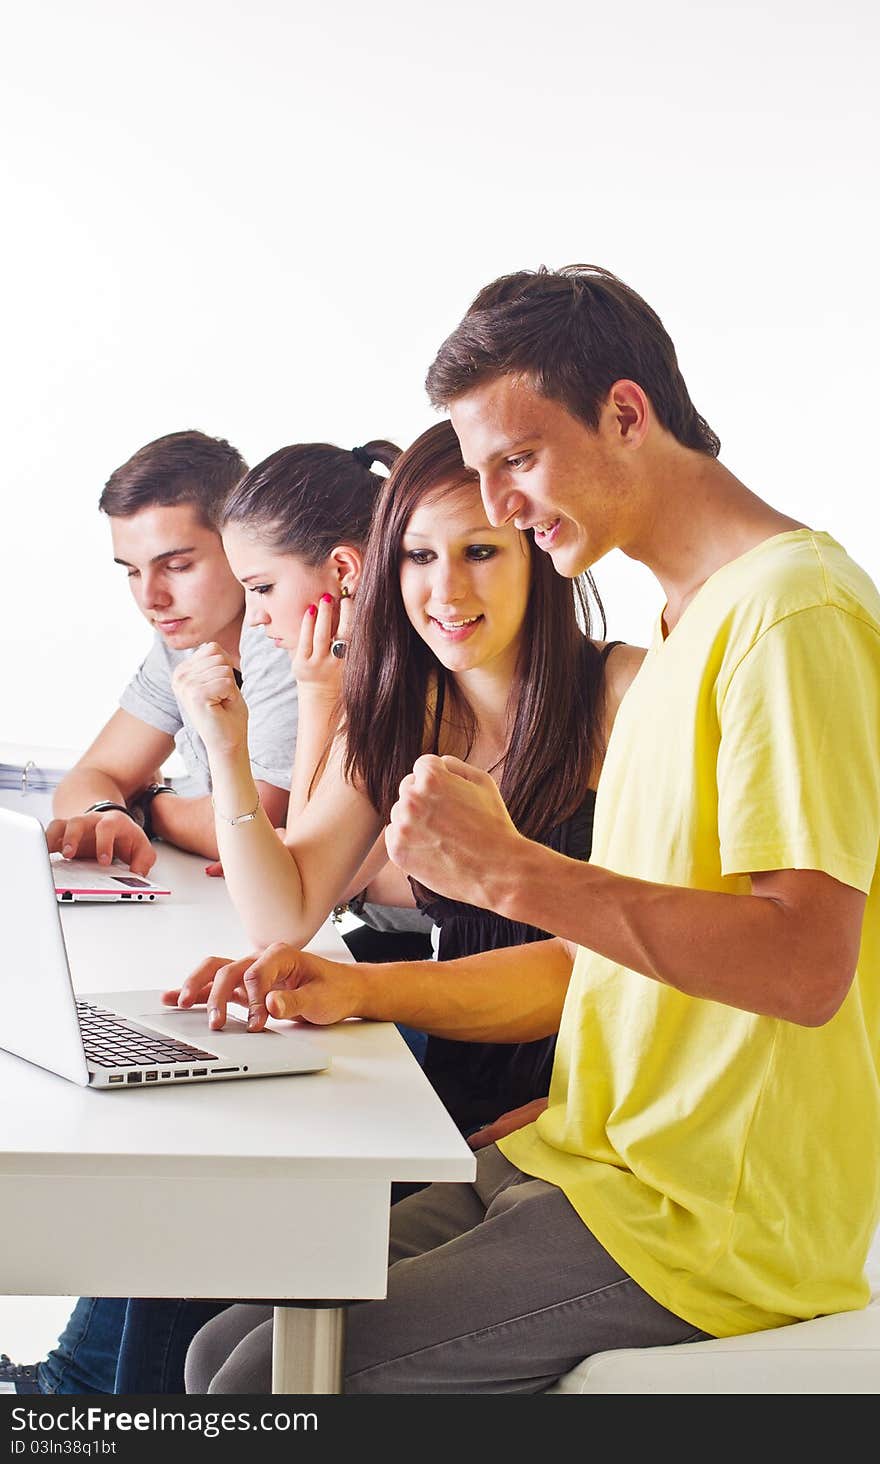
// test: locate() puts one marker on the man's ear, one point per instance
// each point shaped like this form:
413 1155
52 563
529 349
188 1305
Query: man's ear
346 565
627 412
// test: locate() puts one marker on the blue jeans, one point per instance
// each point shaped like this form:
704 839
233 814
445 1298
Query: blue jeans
154 1343
85 1359
124 1345
417 1042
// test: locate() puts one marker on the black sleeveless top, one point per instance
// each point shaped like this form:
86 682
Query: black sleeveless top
478 1081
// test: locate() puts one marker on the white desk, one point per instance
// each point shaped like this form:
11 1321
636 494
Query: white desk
270 1187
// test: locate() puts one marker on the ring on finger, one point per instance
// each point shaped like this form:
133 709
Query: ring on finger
338 648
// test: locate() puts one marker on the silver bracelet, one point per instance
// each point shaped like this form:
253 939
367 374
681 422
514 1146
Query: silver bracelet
242 817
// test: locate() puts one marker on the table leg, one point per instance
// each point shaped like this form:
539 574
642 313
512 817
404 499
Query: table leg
307 1348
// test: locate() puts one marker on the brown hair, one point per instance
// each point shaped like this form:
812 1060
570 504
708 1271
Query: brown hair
184 467
574 331
556 696
304 500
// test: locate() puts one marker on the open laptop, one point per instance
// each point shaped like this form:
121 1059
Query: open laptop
86 879
112 1040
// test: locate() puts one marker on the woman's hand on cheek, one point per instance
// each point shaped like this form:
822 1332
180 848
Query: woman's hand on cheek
316 670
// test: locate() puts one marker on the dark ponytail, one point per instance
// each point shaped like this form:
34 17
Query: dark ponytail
378 451
306 499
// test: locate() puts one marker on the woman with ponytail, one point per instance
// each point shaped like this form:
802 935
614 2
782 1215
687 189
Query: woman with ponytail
295 529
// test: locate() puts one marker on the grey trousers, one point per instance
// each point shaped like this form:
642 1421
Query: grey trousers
494 1287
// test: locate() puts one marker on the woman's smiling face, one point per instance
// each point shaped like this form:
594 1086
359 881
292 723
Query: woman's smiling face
465 585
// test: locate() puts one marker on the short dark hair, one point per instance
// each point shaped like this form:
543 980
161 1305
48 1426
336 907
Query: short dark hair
306 499
574 332
183 467
557 693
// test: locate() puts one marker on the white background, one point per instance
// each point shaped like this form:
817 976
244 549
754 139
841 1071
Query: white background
260 219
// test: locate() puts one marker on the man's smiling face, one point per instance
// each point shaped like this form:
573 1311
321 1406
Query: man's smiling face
544 469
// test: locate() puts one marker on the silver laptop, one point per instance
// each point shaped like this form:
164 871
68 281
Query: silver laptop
112 1040
86 879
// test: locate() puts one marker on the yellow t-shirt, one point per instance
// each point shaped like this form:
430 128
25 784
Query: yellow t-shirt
730 1162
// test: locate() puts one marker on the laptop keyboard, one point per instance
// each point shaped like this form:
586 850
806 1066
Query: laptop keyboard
112 1042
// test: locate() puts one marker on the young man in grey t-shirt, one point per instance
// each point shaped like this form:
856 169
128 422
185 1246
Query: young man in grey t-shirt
162 506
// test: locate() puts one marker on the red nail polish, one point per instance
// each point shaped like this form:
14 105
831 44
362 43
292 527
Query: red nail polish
313 610
327 599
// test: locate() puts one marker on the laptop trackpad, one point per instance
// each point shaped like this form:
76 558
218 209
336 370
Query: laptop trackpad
191 1025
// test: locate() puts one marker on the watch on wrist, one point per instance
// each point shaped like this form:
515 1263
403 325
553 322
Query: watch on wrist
106 805
145 804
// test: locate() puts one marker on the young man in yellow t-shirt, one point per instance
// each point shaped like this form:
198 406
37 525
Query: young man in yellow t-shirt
709 1160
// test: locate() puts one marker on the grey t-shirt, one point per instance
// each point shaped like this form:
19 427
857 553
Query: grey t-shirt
267 686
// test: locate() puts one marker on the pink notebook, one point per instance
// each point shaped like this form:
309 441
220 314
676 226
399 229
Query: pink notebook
85 879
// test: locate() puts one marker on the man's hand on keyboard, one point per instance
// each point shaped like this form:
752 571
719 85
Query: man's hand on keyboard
279 982
102 836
